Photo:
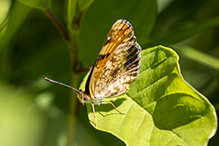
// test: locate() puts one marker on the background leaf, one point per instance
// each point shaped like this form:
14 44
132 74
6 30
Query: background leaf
203 58
181 35
161 108
8 35
38 4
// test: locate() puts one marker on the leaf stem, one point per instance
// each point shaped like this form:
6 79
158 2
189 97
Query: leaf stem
58 25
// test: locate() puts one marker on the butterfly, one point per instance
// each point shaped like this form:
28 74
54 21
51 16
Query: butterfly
116 66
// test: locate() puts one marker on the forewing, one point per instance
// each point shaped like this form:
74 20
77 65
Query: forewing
118 61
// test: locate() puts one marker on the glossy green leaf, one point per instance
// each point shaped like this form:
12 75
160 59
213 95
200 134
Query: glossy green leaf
161 107
38 4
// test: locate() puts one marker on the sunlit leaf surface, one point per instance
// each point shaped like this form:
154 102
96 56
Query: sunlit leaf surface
161 107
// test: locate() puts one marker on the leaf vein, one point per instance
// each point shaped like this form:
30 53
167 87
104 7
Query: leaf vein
125 117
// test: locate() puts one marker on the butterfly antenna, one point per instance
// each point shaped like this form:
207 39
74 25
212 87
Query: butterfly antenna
50 80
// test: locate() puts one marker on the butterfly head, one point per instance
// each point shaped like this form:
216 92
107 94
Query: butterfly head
83 97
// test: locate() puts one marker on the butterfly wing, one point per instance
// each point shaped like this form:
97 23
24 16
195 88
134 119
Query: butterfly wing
120 70
117 63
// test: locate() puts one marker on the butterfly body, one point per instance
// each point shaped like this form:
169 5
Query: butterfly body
84 98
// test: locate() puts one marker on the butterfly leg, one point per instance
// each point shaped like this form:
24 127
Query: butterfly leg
94 114
113 106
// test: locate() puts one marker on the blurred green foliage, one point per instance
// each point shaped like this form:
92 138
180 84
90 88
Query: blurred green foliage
31 48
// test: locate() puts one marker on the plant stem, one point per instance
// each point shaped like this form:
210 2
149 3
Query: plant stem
72 112
71 38
73 51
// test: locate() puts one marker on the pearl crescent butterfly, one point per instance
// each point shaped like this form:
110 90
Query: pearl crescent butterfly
116 66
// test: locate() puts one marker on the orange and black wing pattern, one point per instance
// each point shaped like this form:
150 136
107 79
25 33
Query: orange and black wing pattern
117 64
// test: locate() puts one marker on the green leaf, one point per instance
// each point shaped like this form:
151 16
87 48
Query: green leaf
184 34
18 14
20 11
198 56
161 107
38 4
